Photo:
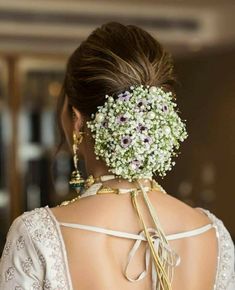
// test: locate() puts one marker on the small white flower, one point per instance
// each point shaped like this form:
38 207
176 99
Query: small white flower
153 89
151 115
167 130
99 117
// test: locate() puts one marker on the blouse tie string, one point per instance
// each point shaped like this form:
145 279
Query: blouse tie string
157 246
164 259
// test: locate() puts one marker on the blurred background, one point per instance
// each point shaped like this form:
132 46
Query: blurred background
36 38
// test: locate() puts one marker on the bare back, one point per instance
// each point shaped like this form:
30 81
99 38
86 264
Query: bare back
96 261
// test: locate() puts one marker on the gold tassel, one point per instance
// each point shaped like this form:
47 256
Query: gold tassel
172 258
162 274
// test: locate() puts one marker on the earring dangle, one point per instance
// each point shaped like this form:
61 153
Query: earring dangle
76 181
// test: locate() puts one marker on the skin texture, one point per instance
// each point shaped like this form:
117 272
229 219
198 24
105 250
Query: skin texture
96 260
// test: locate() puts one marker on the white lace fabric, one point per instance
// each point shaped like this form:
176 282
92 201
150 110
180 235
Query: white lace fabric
34 256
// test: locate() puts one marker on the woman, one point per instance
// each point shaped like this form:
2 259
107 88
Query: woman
117 112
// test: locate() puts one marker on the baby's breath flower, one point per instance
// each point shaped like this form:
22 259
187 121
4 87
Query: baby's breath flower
137 132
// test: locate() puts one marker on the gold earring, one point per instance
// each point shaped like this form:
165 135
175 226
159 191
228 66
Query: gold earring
76 181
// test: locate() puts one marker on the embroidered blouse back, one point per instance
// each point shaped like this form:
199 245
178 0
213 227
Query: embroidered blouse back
42 252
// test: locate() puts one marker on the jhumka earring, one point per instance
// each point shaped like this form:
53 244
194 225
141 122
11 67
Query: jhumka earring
76 181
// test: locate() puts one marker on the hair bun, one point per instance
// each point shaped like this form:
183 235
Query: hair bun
136 133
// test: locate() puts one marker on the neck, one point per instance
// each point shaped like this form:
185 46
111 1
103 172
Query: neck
98 168
115 182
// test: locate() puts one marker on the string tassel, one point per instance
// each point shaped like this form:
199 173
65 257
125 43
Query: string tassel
163 281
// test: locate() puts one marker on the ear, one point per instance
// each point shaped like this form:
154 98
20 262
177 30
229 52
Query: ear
78 122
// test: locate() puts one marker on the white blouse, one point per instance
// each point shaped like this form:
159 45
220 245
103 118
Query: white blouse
34 256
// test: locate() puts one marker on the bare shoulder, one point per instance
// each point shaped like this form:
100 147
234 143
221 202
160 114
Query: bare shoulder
176 215
118 212
94 210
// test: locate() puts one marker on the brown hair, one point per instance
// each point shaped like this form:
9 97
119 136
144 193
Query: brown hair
109 61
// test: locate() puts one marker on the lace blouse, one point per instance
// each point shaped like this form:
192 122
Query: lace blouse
34 256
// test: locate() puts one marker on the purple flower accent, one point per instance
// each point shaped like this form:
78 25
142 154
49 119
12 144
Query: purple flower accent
135 164
141 105
104 124
147 140
126 141
164 108
124 96
141 127
121 119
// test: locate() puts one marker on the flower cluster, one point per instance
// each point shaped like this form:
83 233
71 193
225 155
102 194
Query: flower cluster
137 132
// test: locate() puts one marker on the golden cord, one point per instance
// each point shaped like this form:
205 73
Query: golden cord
161 267
172 257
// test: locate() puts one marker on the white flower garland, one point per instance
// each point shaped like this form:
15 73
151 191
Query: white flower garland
137 132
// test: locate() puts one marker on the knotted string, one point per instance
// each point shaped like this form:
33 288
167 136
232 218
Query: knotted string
156 242
163 257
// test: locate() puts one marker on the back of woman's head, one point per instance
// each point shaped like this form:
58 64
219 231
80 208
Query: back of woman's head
110 60
113 58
